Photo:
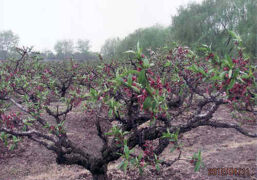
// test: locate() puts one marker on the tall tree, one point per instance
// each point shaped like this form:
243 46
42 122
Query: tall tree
8 42
83 46
151 37
210 21
82 51
110 48
48 54
64 48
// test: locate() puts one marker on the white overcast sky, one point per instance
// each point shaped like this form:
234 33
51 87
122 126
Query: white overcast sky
42 22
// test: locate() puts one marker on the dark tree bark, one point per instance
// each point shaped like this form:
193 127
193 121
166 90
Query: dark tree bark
100 173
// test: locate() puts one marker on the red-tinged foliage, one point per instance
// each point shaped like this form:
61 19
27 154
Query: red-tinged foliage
147 99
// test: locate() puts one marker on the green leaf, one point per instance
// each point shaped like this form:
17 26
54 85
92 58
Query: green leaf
135 89
172 149
130 79
108 133
193 68
138 45
230 73
154 105
146 63
129 72
214 78
222 75
201 70
139 51
140 156
110 112
149 89
167 64
2 136
61 124
147 103
142 78
199 155
157 166
235 36
12 147
231 84
236 73
5 141
230 62
166 134
15 139
120 165
199 161
27 123
197 166
125 166
133 161
126 151
93 93
140 170
130 51
125 142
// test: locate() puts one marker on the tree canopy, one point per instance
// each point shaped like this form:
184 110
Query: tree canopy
195 24
151 37
8 42
209 23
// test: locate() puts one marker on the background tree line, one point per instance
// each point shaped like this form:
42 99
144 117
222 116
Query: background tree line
206 23
64 49
152 37
8 42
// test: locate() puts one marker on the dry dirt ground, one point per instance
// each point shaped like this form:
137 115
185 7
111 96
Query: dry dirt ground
221 148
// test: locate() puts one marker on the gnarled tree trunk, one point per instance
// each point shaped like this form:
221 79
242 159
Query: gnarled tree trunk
100 177
99 173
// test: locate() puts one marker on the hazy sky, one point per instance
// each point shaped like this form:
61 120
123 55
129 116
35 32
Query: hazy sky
42 22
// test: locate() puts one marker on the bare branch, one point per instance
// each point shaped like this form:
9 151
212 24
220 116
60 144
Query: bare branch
40 120
225 125
19 105
175 160
28 134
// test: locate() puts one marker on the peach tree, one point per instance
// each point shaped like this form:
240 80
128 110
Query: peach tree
147 101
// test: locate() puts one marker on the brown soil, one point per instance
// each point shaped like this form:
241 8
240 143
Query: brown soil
221 148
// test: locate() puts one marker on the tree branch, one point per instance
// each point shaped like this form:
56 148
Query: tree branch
29 134
225 125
